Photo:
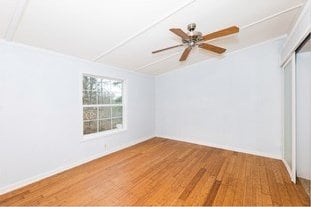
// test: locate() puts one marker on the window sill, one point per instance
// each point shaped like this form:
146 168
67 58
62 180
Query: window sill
98 135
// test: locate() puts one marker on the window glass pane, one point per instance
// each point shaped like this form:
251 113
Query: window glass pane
116 98
117 123
116 86
116 90
116 111
90 83
104 125
86 83
89 98
89 127
89 113
104 98
104 112
105 85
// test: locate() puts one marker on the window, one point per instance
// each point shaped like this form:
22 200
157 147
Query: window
102 104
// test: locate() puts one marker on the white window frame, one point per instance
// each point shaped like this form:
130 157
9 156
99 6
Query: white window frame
87 137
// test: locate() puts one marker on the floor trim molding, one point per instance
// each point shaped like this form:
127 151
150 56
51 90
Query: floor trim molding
226 147
27 181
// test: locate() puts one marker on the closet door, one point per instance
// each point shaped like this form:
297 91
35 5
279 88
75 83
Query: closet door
289 138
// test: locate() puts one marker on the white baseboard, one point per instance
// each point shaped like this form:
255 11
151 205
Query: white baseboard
306 177
201 142
36 178
292 177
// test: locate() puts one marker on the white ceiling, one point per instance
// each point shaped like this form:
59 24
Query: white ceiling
124 32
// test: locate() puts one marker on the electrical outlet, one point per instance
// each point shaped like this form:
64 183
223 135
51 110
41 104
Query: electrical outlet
106 147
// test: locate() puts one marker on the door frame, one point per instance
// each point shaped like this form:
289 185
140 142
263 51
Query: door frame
291 171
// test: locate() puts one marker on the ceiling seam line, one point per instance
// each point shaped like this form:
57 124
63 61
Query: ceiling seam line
272 16
143 30
243 27
157 61
15 20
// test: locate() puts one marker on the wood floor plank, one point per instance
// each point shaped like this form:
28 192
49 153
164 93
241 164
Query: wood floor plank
167 172
274 191
192 184
201 191
213 193
233 172
239 194
264 185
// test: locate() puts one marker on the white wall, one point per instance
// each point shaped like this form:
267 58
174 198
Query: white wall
303 94
41 116
234 102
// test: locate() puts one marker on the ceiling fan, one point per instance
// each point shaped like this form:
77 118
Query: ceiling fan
195 38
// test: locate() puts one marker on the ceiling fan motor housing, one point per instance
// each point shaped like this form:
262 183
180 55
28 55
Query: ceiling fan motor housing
194 36
191 27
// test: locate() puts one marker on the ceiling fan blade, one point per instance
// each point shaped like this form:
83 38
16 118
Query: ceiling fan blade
180 33
221 33
185 54
212 48
156 51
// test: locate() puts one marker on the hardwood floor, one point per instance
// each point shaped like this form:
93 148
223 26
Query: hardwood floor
305 184
166 172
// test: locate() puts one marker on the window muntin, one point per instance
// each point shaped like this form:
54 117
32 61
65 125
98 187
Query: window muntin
102 104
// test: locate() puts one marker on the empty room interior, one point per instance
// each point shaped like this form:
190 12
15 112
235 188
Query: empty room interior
155 102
